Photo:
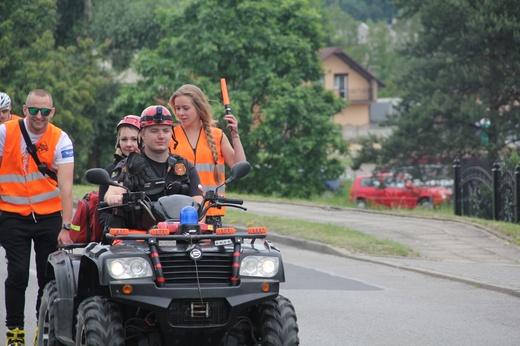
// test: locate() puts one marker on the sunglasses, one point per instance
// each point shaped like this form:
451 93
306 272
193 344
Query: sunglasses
35 110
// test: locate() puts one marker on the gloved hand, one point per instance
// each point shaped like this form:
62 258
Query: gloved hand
137 170
127 179
173 188
184 190
178 188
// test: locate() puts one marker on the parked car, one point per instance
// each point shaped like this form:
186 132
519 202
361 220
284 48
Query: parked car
395 191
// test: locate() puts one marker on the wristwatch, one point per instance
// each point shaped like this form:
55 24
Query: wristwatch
66 226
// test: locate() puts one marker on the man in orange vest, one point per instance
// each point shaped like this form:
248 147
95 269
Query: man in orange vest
5 109
32 206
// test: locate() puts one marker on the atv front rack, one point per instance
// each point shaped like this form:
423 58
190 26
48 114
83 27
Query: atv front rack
153 242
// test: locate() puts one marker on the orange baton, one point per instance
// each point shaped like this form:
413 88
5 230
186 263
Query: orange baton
225 96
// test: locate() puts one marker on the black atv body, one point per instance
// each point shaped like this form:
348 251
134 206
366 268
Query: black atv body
155 288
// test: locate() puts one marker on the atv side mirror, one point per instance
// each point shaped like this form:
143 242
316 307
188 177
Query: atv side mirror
99 176
238 171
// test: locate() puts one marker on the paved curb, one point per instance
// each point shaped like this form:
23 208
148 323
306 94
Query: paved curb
330 250
385 212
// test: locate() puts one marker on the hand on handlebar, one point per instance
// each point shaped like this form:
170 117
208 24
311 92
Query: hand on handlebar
114 199
114 195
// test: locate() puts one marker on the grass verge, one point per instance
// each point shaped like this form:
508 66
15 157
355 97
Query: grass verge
507 229
78 191
341 237
351 240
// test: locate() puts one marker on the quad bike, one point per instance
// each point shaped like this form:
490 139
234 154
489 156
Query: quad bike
177 283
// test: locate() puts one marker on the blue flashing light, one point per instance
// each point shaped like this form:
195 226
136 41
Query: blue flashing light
189 215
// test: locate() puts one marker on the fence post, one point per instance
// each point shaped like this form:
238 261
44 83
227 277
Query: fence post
496 191
457 201
516 196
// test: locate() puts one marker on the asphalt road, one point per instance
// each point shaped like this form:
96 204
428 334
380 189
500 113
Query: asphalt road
450 249
341 301
378 306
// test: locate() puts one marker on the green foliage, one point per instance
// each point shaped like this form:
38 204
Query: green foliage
340 28
463 66
24 45
127 26
295 143
266 51
71 74
364 10
354 241
513 159
369 151
71 16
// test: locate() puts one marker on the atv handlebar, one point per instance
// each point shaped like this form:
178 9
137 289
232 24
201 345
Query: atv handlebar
214 200
231 200
211 198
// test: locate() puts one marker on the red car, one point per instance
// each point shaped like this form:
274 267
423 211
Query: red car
395 191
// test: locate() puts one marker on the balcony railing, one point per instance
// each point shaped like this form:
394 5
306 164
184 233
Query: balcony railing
357 94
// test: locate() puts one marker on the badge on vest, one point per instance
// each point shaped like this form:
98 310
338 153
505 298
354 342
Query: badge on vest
179 168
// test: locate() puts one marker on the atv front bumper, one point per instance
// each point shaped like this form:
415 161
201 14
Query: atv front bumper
192 307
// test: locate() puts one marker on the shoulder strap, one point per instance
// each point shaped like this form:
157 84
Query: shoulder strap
31 148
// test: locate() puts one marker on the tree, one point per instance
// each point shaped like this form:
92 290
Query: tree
72 15
266 51
463 68
364 10
297 143
340 28
71 74
127 26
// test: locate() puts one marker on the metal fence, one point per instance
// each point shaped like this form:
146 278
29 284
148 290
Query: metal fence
484 190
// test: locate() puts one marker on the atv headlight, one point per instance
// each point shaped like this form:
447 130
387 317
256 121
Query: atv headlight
129 268
259 266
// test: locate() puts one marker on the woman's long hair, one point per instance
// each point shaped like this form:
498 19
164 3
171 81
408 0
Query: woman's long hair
206 116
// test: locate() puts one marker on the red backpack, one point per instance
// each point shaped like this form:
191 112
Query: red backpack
85 226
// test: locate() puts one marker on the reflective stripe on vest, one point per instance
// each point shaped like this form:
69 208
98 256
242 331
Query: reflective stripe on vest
31 200
15 178
203 160
207 173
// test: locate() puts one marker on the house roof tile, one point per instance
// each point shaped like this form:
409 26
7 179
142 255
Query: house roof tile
327 52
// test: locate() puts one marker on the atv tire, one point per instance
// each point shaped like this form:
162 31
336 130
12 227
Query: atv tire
46 322
99 323
278 325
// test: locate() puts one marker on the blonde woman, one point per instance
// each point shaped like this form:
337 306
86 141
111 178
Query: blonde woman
199 141
127 142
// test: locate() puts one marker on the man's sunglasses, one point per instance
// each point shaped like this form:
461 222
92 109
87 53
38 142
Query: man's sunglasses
35 110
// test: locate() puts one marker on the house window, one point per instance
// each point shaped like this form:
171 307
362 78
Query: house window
341 85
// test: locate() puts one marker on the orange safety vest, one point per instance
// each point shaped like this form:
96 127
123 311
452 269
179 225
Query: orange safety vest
14 117
202 158
21 191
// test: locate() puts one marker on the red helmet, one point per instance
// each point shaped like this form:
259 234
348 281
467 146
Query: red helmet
132 120
156 115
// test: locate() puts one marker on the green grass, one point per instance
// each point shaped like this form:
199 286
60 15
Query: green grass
342 237
78 191
508 229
